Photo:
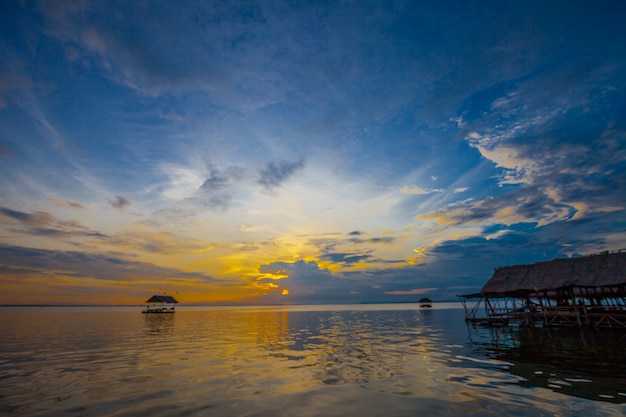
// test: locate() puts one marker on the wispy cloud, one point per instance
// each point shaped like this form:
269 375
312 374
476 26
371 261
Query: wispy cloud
213 193
276 173
523 205
70 204
42 223
89 265
119 202
418 190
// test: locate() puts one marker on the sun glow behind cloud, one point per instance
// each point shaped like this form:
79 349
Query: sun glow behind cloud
208 154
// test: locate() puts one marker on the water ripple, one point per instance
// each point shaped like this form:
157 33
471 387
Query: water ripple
262 362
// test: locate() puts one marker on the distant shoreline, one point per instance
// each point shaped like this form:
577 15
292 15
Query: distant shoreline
218 304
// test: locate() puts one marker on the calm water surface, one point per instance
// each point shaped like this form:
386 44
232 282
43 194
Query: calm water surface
366 360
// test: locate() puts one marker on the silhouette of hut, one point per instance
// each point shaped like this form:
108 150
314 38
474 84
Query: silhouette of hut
160 304
583 291
425 302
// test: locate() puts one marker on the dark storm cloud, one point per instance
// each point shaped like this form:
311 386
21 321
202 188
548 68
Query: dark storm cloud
276 173
86 265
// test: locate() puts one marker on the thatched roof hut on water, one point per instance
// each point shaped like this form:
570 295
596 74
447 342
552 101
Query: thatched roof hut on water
583 291
425 302
160 304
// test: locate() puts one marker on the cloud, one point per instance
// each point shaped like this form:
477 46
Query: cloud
418 190
30 219
308 283
543 134
342 250
41 223
139 237
538 138
146 48
304 280
55 264
558 158
345 258
213 190
119 202
213 194
386 239
415 291
276 173
370 240
182 182
70 204
525 205
215 182
134 63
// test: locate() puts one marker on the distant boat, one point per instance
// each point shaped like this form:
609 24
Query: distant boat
160 304
425 302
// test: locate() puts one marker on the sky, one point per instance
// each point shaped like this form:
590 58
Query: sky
263 152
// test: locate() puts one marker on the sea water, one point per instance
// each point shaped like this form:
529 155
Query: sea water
357 360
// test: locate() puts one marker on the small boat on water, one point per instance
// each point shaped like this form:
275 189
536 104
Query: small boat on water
160 304
425 302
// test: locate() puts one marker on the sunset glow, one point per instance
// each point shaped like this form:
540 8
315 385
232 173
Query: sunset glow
259 153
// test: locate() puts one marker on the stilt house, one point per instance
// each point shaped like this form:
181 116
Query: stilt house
588 291
160 304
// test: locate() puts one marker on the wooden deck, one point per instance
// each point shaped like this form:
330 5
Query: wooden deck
503 312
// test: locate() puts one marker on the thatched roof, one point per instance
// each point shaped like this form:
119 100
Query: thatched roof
162 299
605 269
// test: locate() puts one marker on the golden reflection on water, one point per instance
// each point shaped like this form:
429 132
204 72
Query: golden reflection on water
281 361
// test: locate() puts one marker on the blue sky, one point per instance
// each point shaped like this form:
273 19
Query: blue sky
304 152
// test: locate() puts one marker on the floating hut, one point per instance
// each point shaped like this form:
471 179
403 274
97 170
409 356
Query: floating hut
160 304
588 291
425 302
